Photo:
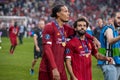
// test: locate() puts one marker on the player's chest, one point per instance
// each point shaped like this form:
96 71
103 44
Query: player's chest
60 34
14 30
83 48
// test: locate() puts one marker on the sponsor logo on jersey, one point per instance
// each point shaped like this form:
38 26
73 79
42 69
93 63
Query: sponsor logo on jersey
58 34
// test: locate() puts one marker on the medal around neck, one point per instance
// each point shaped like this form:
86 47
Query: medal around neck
63 44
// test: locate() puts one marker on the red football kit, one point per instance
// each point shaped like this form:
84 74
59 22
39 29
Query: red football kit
53 56
80 53
53 49
13 32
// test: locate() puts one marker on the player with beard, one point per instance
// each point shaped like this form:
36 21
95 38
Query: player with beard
54 40
13 33
110 46
78 53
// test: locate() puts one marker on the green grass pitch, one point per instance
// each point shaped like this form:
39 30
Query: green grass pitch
17 66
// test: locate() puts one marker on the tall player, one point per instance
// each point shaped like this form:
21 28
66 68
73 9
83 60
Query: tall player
13 33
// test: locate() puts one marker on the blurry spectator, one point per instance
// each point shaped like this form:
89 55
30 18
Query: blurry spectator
98 28
36 9
21 33
89 30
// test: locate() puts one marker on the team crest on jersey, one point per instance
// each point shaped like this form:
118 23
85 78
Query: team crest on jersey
58 34
47 36
90 45
67 50
65 33
80 46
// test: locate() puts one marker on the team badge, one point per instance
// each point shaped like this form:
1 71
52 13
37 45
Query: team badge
80 46
65 33
90 45
47 36
67 50
58 34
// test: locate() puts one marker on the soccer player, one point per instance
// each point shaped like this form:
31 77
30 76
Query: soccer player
78 53
13 33
54 39
37 43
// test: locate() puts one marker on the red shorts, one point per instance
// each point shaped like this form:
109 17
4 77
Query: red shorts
13 41
48 76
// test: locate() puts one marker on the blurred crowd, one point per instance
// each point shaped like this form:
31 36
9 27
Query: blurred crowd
41 9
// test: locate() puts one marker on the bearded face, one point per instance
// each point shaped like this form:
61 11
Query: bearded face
81 32
117 20
81 28
116 23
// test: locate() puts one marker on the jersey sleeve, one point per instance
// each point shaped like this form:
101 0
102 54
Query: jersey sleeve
47 44
89 36
35 32
68 51
94 50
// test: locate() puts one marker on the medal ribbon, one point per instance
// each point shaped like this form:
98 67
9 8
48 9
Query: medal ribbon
61 31
85 46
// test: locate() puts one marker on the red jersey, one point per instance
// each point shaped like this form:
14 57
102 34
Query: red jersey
53 56
53 50
13 31
80 58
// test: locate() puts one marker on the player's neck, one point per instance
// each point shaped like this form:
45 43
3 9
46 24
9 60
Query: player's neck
82 37
60 23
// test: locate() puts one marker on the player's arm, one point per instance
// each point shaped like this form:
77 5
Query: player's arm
94 39
69 68
47 44
110 38
17 31
99 56
36 43
68 56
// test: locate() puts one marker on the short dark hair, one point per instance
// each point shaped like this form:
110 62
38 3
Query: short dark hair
114 14
80 19
56 9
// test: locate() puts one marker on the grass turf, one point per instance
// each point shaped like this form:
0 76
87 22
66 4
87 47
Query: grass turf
17 66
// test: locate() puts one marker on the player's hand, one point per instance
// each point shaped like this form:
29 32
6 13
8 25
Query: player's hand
97 43
110 60
37 49
74 78
56 75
